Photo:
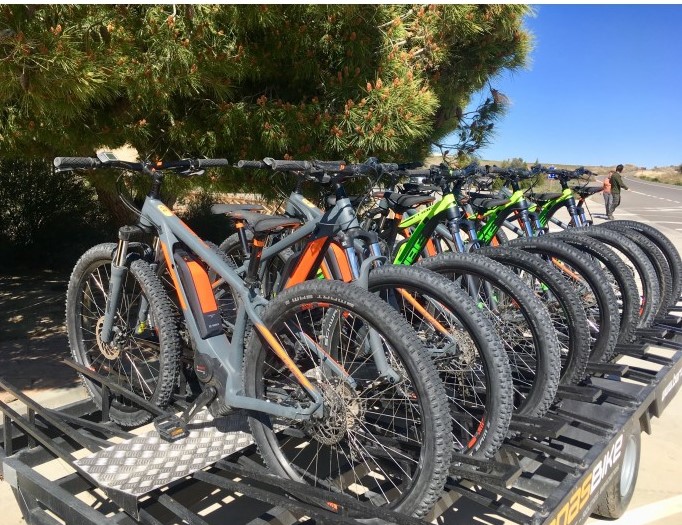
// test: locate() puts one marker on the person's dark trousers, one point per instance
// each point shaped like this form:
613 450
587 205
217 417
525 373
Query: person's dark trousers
615 202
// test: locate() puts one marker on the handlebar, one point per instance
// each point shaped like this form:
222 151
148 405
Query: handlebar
564 173
322 167
512 173
72 163
252 164
293 165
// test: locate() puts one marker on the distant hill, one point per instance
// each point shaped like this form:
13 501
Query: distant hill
666 174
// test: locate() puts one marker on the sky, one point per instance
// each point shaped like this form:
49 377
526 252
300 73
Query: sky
604 87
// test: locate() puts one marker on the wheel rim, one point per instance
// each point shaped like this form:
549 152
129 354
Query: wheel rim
628 468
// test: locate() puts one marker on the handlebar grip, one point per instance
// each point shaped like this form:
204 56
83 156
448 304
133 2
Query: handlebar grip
212 163
65 163
288 165
252 164
495 169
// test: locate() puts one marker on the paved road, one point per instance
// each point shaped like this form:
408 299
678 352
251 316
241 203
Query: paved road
650 202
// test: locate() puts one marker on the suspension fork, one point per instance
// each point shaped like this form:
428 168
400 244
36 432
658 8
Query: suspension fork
581 211
119 271
525 220
454 219
576 211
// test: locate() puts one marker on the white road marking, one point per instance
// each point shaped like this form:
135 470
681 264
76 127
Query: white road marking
657 184
654 196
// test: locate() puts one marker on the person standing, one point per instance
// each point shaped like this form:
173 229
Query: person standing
606 190
616 185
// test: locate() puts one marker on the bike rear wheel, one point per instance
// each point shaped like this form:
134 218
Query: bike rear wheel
666 246
598 299
381 441
642 270
660 264
563 304
521 320
619 277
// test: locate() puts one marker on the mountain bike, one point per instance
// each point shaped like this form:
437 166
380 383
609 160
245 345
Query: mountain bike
544 206
486 214
339 392
548 204
543 210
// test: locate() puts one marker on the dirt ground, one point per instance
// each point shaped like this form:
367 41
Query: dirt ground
32 331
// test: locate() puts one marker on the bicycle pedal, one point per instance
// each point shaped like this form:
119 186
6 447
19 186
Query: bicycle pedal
171 428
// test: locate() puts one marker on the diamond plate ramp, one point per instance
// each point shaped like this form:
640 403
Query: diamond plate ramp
144 463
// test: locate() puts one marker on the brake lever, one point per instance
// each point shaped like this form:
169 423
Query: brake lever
189 172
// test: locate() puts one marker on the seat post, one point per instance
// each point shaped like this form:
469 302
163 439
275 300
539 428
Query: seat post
241 233
254 259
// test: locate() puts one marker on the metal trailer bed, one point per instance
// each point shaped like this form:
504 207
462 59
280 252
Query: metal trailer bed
551 471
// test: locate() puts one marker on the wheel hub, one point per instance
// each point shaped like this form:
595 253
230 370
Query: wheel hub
110 351
342 409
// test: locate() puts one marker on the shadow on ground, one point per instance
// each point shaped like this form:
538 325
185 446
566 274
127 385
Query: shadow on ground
32 334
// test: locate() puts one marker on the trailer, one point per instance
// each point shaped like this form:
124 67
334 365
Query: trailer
581 458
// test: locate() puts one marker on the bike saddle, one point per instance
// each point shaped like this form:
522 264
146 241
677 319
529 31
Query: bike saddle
544 197
587 190
400 203
261 223
222 209
486 201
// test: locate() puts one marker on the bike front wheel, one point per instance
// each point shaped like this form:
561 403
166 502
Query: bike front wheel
521 320
465 348
144 356
385 441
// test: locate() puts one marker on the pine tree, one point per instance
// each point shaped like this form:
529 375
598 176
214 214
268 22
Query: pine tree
248 81
245 81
